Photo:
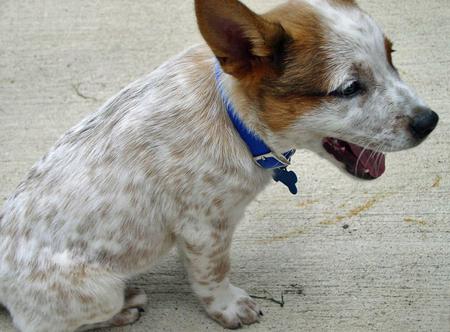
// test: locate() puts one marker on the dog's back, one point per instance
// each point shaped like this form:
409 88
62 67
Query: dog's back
103 203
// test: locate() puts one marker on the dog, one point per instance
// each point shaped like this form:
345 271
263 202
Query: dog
175 158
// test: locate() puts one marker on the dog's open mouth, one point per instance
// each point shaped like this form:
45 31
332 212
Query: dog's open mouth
363 163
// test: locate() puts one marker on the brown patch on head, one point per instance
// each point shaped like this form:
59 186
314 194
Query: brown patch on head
280 113
304 81
244 43
351 3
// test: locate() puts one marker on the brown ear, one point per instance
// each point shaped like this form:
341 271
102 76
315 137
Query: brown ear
346 2
239 38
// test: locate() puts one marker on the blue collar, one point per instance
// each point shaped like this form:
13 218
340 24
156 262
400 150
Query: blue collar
263 156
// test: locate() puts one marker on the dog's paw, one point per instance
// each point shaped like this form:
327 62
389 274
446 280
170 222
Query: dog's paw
135 298
233 308
126 317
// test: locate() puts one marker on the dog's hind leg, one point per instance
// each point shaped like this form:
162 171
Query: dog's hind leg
67 301
135 299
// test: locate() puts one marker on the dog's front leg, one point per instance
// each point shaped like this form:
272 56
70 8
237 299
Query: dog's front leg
205 249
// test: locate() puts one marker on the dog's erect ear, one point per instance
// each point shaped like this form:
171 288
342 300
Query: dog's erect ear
239 38
349 2
346 2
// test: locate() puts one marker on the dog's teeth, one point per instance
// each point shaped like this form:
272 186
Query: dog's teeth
343 149
367 171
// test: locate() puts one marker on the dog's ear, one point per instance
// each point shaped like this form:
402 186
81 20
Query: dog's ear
239 38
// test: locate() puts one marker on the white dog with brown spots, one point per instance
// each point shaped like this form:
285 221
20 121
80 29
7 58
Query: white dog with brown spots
165 161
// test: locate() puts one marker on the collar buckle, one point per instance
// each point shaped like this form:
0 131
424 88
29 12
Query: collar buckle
272 160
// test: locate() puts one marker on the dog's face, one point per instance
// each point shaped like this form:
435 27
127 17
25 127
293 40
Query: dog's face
322 75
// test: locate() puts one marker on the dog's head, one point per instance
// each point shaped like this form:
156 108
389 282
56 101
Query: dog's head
321 75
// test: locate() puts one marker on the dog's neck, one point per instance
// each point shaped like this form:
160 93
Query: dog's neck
263 155
248 110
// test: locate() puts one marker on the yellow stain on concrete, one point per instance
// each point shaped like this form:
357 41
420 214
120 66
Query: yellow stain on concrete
437 181
277 238
415 221
363 208
308 202
354 212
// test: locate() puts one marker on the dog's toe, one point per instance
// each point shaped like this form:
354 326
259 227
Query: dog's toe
235 309
126 317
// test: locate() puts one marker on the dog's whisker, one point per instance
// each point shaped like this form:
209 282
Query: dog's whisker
359 157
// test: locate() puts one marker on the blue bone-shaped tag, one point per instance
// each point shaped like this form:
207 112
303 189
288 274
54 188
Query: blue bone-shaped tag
288 178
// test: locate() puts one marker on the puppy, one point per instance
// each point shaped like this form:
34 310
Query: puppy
175 158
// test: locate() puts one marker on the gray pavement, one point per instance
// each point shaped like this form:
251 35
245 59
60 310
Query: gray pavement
348 255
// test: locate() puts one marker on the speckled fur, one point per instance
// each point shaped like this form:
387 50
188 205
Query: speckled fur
160 165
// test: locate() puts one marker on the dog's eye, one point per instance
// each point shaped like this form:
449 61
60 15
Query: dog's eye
350 91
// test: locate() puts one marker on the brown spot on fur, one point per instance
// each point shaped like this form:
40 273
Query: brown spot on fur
221 225
221 269
84 298
105 209
79 244
216 236
210 179
222 247
207 300
37 276
193 248
131 187
219 251
78 274
109 159
60 291
177 152
218 202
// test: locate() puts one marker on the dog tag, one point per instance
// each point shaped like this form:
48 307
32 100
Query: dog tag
288 178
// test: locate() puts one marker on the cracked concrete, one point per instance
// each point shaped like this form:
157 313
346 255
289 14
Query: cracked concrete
347 255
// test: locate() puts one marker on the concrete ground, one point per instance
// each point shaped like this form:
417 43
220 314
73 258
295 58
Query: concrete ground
348 255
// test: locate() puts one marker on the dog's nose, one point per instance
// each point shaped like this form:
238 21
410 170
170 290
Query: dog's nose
423 123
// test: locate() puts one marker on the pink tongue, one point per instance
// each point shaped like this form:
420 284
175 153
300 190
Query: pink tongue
369 160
